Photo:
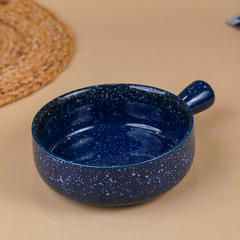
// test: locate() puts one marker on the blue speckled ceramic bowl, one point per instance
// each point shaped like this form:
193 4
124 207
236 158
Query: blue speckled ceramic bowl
117 144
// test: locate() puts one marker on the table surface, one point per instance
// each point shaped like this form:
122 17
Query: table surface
165 44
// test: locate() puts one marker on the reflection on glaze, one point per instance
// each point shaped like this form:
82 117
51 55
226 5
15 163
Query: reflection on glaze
148 89
143 111
111 145
198 95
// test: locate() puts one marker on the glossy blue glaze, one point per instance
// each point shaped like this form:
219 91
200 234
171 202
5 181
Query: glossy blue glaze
234 21
199 96
114 144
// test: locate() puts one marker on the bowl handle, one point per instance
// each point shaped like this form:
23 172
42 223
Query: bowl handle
199 96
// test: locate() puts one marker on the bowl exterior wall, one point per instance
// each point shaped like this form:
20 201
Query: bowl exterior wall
116 186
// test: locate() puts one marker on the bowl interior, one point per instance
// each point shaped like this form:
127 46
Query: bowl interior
112 125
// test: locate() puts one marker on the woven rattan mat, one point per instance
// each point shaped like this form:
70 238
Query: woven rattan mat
34 48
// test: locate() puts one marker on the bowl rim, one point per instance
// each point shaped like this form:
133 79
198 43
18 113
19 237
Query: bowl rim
187 134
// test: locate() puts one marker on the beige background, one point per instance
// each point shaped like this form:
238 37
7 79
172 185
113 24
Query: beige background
166 44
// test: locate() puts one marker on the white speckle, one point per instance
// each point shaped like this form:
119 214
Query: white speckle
146 176
107 175
133 174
